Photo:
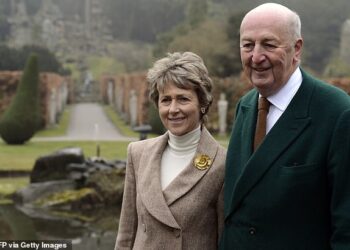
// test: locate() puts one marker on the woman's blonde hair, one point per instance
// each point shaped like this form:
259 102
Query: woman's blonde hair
184 70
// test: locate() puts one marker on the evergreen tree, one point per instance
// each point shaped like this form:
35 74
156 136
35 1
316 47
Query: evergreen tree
154 120
15 59
22 118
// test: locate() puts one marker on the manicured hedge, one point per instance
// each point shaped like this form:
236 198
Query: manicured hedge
22 118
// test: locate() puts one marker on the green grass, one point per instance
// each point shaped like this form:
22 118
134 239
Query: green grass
22 157
101 65
123 128
9 185
58 130
75 72
222 139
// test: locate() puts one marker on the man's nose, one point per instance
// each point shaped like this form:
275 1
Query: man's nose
258 54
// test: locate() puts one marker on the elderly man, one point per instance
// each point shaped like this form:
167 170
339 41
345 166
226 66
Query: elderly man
287 183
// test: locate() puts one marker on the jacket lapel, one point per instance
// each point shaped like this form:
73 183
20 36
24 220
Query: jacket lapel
149 187
249 112
290 125
240 147
190 176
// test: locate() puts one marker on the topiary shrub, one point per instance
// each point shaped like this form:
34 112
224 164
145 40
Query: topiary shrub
154 120
22 118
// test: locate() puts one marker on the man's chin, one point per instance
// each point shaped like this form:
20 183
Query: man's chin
260 83
263 87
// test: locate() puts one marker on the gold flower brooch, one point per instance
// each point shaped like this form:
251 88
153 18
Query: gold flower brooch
202 162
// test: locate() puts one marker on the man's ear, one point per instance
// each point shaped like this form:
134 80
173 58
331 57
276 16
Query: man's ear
298 47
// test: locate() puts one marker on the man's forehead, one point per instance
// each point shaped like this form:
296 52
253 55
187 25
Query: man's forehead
260 34
263 30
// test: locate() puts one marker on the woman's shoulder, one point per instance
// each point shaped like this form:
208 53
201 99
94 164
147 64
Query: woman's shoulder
141 145
208 138
209 144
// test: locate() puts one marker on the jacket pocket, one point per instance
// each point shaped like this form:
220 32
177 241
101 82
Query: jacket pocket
299 169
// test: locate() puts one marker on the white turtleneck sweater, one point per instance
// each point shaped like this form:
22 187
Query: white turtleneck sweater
178 154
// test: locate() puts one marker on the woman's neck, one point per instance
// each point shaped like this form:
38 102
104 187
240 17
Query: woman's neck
184 144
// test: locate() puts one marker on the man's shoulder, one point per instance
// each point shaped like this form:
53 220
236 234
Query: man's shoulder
325 90
250 97
321 84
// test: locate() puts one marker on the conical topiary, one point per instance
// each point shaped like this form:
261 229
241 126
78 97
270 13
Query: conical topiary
22 118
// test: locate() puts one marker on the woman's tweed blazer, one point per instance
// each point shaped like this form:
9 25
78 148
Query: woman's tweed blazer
188 214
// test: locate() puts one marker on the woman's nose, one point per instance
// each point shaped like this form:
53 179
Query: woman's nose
173 107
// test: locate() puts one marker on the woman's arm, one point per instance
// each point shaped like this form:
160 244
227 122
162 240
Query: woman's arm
128 216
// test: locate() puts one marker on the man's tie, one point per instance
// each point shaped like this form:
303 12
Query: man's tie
260 130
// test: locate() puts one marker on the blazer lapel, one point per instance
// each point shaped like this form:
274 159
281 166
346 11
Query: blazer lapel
240 147
248 128
190 176
290 125
149 187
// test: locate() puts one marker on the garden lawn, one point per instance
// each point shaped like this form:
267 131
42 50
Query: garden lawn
59 129
9 185
22 157
122 127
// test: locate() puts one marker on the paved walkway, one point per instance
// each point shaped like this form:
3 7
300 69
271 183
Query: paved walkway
89 122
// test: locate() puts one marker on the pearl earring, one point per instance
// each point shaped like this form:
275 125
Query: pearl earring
203 110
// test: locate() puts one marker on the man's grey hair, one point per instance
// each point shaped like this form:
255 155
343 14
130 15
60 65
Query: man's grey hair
295 26
292 19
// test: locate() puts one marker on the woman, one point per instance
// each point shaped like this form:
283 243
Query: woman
173 186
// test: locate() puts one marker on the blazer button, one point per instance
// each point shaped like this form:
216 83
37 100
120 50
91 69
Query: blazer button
252 231
144 227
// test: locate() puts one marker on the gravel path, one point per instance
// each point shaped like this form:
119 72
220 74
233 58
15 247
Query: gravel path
89 122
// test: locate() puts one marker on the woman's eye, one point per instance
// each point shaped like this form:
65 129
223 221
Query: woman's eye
183 99
164 101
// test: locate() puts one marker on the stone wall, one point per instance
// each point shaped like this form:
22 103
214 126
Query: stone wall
54 93
8 85
116 91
